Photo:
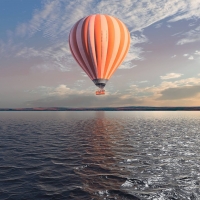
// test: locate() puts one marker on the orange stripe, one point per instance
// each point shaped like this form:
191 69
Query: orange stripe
122 47
122 34
97 37
128 46
116 31
125 53
104 43
111 41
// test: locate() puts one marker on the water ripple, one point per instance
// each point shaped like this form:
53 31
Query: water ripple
100 155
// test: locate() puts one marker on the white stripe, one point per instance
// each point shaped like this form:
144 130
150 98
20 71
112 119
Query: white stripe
104 43
75 53
91 43
80 46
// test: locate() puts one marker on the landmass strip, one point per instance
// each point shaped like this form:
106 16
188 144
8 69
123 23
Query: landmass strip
128 108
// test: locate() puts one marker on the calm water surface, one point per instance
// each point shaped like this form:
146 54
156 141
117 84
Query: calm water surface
100 155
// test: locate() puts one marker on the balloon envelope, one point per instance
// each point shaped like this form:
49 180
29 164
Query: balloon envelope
99 43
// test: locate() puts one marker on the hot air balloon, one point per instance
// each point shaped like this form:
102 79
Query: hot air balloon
99 44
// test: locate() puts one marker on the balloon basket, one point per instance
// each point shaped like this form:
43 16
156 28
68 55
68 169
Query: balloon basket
100 92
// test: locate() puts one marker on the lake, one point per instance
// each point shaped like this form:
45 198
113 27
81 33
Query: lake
100 155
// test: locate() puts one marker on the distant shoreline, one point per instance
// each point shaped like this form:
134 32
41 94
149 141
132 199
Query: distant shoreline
128 108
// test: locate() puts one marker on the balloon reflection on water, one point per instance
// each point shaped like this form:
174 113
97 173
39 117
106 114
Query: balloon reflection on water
99 171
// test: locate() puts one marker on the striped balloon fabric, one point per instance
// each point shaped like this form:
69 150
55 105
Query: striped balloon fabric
99 43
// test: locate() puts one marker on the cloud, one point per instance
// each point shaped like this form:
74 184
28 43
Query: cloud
197 52
62 95
8 48
158 25
179 83
155 92
42 20
173 56
84 74
180 89
84 100
190 37
61 90
171 76
134 52
80 83
57 17
192 11
179 92
128 65
55 56
29 52
191 58
143 81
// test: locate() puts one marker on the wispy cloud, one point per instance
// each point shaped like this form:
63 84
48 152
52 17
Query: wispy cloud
128 65
56 18
197 52
85 101
191 58
143 81
60 90
191 11
171 76
54 56
64 96
169 90
190 37
8 48
135 53
179 92
84 74
158 25
182 83
79 83
42 20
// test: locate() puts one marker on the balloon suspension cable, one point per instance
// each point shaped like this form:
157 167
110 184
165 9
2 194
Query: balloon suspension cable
100 92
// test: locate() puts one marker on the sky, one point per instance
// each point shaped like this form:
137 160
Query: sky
162 67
